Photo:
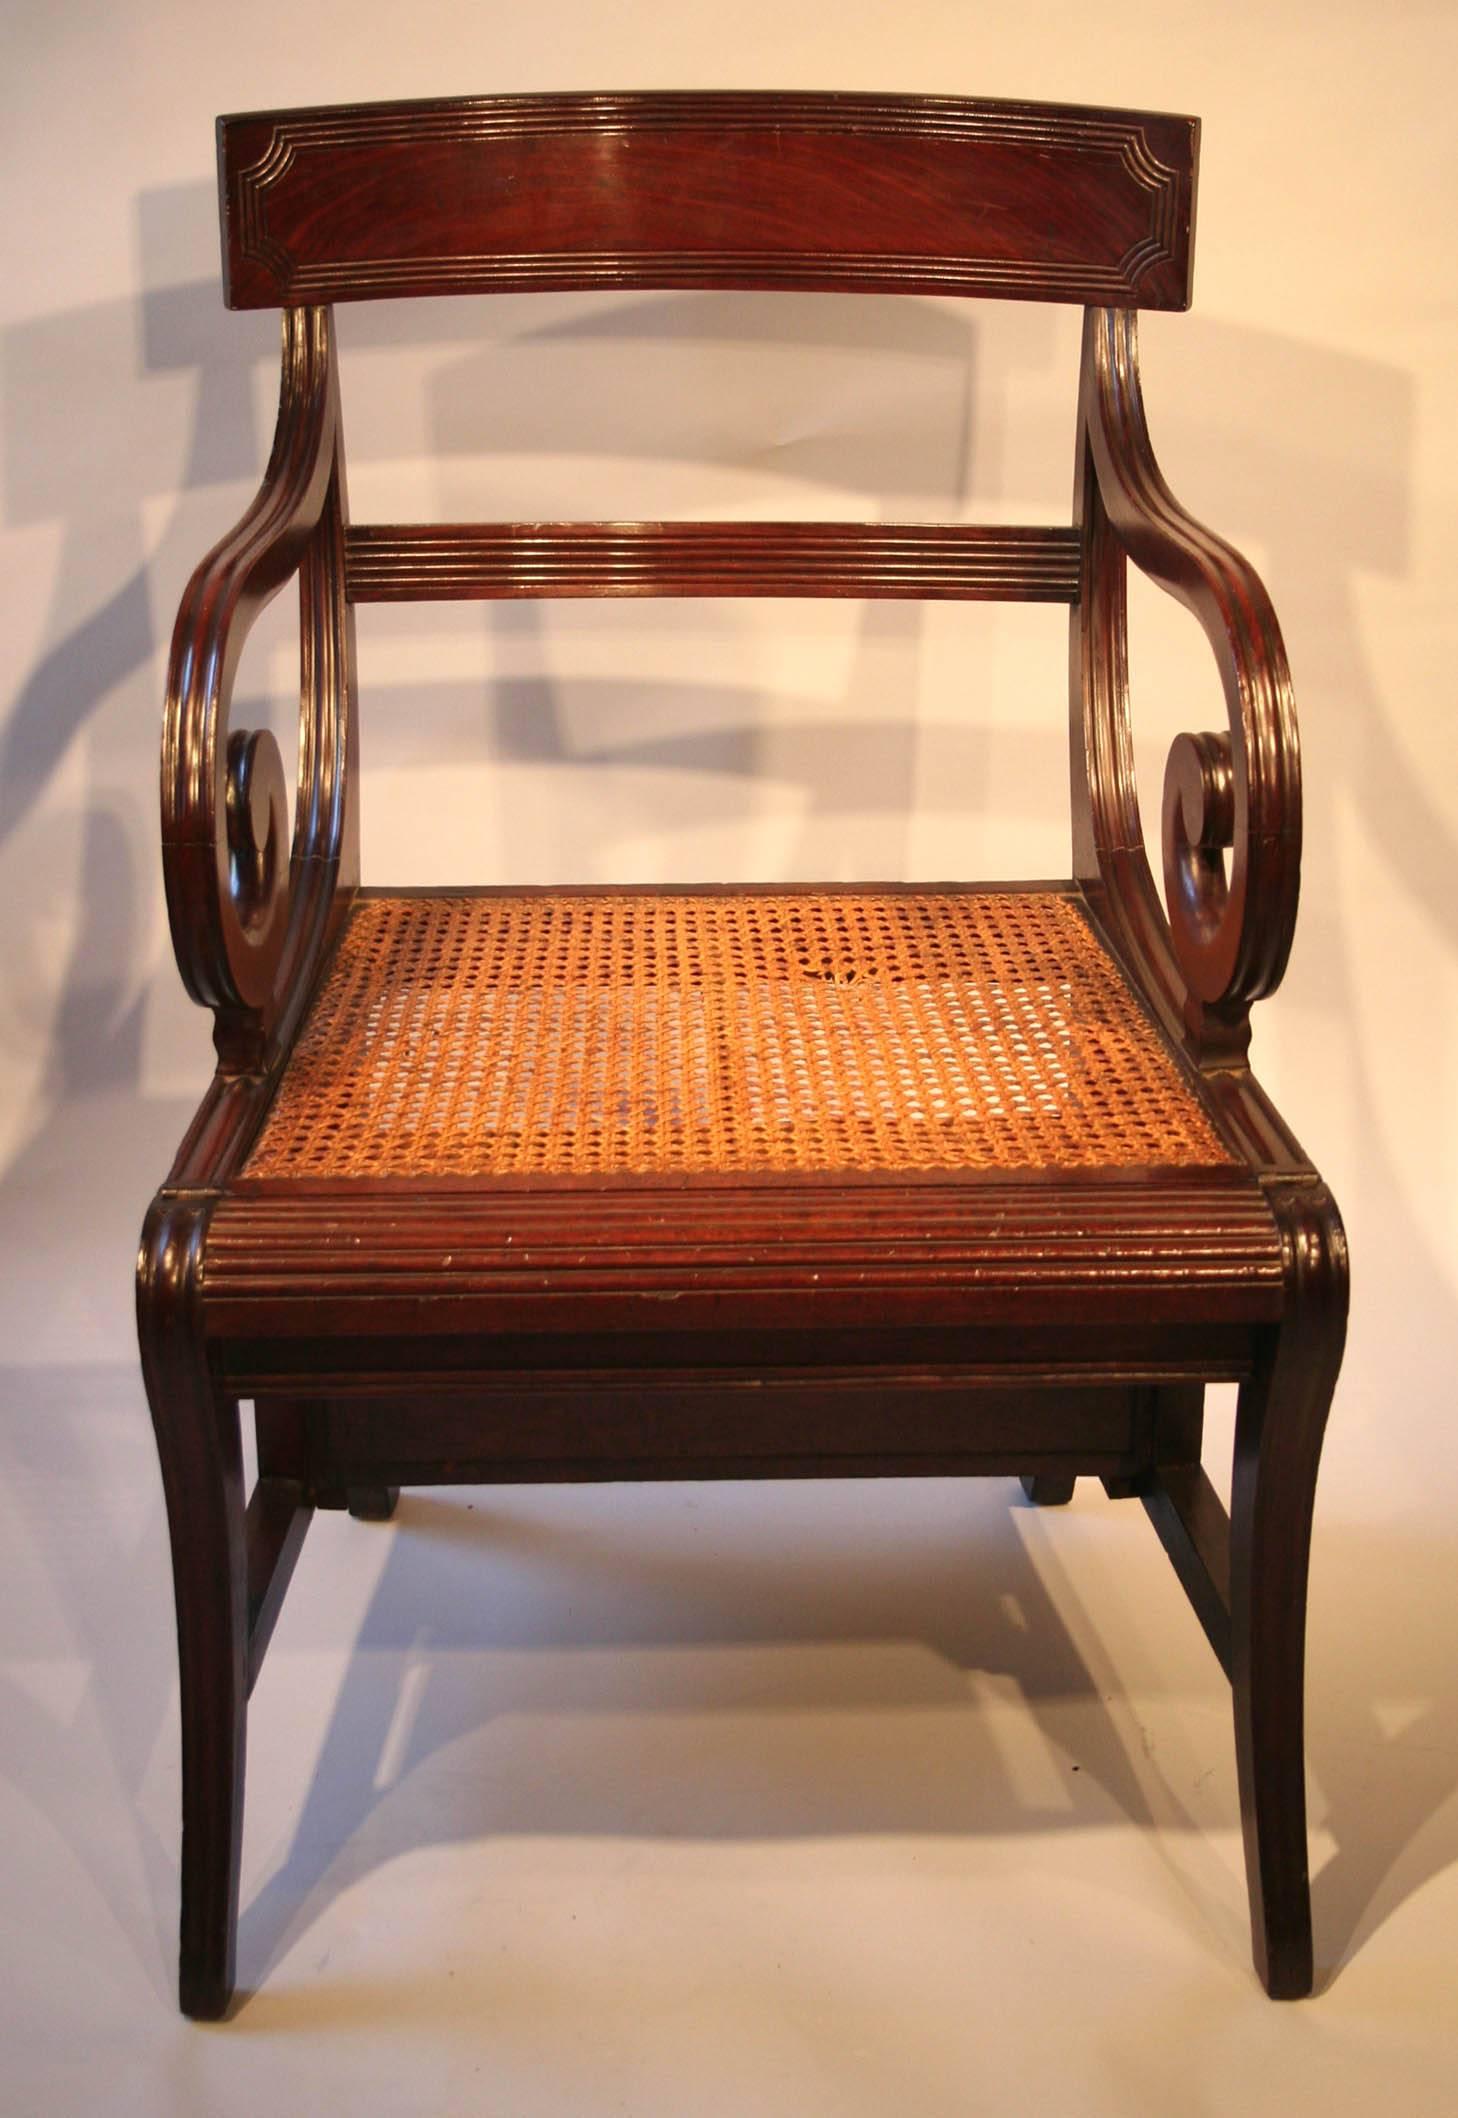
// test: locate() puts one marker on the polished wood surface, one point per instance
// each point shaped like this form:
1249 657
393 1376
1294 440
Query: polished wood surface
889 194
741 1253
1045 1324
968 562
251 914
1221 937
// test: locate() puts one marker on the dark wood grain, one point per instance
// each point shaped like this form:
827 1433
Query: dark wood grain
1222 937
726 1257
1280 1421
278 1516
200 1448
250 913
1194 1529
1042 1324
898 194
794 1418
426 562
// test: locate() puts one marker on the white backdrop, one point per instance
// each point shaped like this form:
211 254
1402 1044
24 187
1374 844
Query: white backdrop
1305 408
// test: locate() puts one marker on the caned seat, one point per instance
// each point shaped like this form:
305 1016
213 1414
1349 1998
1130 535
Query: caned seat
617 1033
507 1183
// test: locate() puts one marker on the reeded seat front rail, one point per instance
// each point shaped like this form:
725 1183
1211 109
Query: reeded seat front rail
704 1182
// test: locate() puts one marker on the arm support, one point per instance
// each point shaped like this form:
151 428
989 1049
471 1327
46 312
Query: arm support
244 910
1226 937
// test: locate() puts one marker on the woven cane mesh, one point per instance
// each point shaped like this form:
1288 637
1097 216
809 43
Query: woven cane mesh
568 1034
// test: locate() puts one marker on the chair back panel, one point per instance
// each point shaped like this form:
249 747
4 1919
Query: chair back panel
914 195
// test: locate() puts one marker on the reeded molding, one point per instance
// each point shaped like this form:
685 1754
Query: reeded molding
1054 202
248 900
429 561
1232 812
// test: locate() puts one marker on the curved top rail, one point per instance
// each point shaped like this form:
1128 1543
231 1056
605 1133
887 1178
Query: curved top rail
892 194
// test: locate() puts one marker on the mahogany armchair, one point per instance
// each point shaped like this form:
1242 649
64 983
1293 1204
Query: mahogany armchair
689 1183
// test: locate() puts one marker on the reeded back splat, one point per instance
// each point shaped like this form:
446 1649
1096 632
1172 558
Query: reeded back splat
888 194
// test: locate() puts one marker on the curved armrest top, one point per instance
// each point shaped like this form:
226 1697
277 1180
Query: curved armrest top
1232 934
224 817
